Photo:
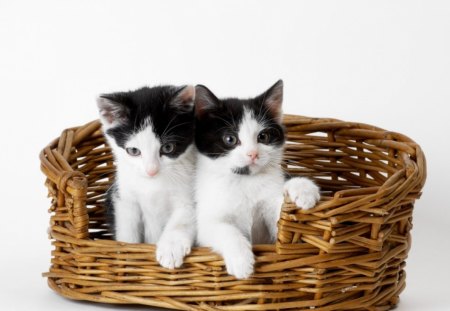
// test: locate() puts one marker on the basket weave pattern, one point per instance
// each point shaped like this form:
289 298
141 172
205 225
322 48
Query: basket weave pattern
348 253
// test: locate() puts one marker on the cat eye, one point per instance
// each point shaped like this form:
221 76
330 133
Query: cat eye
167 148
134 152
230 140
264 137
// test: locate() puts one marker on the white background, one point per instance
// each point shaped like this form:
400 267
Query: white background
385 63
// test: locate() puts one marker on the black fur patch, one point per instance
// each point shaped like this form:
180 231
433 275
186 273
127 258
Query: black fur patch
287 176
223 116
109 205
176 124
242 170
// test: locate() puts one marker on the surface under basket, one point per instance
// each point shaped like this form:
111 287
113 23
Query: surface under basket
348 253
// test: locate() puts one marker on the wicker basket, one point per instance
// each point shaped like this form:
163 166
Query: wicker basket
348 253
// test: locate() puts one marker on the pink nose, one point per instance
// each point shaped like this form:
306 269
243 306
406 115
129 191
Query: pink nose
253 155
152 172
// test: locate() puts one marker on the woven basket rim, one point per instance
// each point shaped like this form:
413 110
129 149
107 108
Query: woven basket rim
54 174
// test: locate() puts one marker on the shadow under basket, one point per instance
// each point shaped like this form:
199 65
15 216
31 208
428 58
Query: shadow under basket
348 253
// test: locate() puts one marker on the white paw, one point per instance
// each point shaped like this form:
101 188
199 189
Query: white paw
170 252
303 192
240 263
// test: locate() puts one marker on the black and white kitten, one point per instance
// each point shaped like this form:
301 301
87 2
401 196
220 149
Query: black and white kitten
240 182
151 133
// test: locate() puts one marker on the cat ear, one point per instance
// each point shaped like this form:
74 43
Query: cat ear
184 99
204 100
273 99
112 112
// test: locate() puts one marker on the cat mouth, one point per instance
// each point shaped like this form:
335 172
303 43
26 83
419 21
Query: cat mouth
245 170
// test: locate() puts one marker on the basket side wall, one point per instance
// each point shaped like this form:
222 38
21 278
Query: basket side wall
347 253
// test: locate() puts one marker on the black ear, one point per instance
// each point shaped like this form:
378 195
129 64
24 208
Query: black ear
184 99
112 112
273 99
204 100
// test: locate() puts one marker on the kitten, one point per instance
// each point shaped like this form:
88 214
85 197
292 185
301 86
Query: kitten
240 182
151 133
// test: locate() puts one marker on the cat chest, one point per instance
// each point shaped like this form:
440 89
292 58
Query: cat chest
258 189
152 198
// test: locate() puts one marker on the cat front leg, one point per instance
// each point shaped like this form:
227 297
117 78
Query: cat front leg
302 191
231 243
271 212
177 237
127 221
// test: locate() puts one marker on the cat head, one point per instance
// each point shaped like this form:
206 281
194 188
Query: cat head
245 135
150 128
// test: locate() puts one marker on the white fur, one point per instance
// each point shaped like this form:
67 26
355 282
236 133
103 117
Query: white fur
234 211
157 209
304 193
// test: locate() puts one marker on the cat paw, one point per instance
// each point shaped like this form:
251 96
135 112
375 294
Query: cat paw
170 252
303 192
240 263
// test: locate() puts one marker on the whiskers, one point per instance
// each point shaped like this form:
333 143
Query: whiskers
272 159
178 173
